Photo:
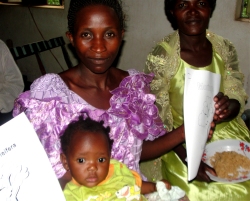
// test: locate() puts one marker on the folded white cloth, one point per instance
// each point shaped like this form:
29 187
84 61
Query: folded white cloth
163 194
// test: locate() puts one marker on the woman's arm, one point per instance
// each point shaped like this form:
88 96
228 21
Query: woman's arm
167 142
181 152
163 144
233 78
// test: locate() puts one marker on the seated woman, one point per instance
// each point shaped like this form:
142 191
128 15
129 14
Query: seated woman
193 46
95 86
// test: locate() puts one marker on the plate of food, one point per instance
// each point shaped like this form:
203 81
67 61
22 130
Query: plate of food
230 159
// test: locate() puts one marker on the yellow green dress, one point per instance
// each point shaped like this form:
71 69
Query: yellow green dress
168 86
121 184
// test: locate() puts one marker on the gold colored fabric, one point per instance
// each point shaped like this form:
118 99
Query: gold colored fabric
168 87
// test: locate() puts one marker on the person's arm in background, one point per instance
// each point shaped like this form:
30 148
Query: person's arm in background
231 104
11 81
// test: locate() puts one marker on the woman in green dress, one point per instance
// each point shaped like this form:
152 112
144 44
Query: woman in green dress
193 46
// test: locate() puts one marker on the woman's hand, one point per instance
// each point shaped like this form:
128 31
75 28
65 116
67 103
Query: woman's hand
211 131
225 109
201 175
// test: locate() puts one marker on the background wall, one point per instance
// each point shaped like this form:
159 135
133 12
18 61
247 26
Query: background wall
146 22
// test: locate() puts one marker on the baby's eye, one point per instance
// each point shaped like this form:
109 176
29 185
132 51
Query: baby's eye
110 35
202 3
101 160
80 160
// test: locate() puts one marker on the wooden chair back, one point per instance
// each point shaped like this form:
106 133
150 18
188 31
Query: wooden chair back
36 48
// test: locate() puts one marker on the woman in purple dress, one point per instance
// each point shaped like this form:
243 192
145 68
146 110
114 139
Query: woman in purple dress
95 87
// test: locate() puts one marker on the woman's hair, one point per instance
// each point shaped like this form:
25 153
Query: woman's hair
169 5
84 125
77 5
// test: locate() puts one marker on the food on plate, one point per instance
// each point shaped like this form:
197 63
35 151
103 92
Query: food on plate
230 164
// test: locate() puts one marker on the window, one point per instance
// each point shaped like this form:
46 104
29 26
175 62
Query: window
242 10
245 9
59 4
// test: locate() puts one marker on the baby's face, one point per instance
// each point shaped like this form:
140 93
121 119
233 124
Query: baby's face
88 158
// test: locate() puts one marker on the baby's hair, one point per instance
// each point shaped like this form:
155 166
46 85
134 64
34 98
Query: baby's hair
169 5
84 125
76 5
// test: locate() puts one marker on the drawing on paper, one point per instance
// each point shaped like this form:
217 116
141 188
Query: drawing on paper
205 114
11 179
188 76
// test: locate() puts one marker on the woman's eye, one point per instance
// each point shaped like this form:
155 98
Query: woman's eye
80 160
181 5
86 35
101 160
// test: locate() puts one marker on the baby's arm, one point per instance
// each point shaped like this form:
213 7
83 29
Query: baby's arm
150 187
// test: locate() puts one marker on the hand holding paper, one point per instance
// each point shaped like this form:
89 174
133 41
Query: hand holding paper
200 89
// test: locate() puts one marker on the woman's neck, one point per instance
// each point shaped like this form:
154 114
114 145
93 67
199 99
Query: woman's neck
196 50
194 43
86 78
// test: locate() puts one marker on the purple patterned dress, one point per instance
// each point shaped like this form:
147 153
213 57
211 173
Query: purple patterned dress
50 106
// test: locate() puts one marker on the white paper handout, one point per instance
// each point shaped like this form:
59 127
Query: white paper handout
25 171
200 88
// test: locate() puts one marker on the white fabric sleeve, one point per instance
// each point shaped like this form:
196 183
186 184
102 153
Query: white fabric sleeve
11 81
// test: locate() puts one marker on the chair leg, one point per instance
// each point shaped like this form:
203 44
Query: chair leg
40 63
66 57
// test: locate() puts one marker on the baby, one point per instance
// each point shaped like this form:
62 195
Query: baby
86 153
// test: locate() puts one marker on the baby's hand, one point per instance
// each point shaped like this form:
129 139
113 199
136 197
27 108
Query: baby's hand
167 184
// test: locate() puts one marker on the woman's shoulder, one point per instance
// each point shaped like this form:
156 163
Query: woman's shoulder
166 45
131 76
223 47
136 76
135 81
216 39
119 74
131 100
47 81
170 37
48 86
